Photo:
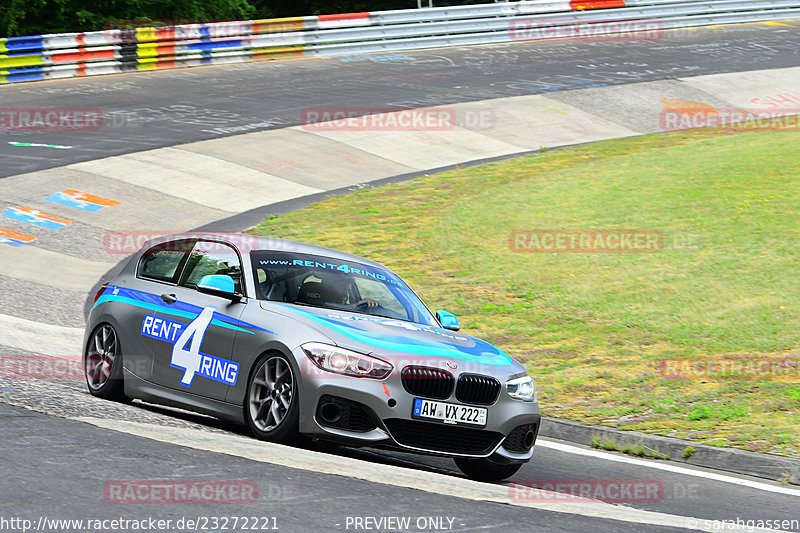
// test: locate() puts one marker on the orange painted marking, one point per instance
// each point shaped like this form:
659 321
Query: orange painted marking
579 5
276 53
345 16
83 55
687 107
16 235
91 198
165 49
44 216
277 25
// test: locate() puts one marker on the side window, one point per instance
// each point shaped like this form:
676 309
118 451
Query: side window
163 262
209 258
381 293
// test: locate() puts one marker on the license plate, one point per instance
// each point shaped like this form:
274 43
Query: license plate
449 413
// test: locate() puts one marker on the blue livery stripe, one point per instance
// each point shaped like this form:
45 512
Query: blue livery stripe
480 352
154 303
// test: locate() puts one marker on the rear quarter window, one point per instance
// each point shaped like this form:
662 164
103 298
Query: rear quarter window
164 262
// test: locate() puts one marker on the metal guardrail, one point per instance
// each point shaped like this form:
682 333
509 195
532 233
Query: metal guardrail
119 50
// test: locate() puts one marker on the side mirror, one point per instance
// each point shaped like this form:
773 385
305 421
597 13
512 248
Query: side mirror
447 320
219 285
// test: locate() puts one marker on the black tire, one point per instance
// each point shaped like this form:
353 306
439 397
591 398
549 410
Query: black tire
266 411
102 364
486 470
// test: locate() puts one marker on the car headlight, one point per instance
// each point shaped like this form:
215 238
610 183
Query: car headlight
349 363
521 389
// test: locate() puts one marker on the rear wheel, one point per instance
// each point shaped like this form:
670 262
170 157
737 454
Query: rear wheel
271 406
102 364
486 470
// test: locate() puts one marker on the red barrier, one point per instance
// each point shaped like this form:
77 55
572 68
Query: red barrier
580 5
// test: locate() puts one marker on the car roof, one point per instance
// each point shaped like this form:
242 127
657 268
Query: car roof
247 243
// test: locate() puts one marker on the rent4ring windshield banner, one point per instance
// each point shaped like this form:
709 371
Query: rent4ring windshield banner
271 261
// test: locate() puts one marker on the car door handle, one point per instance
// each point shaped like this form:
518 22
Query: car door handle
169 298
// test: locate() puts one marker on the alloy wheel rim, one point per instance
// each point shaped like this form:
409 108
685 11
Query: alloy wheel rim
271 394
100 357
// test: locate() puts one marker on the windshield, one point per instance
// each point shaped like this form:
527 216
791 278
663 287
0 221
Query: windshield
333 284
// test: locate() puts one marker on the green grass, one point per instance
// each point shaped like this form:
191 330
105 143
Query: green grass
595 329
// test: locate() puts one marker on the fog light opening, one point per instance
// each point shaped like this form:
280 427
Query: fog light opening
528 440
330 412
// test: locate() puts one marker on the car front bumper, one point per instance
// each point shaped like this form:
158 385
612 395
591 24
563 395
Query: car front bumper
389 406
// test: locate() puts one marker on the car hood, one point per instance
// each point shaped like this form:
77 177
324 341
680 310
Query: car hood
388 337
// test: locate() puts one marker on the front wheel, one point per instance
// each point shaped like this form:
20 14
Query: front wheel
486 470
102 364
271 406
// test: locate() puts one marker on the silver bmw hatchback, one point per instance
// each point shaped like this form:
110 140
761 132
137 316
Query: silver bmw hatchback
300 341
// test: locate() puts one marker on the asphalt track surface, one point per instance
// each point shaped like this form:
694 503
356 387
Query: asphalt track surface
165 108
57 467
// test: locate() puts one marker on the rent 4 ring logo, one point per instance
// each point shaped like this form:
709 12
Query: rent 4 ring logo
190 360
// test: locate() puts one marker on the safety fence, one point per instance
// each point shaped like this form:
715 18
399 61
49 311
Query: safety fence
64 55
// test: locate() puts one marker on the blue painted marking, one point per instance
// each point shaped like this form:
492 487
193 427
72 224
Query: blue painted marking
10 241
33 76
29 43
209 45
69 201
21 216
26 70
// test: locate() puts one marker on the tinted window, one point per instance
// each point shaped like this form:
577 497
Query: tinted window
336 284
163 262
209 258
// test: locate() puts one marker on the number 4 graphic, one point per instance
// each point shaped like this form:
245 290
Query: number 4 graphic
189 360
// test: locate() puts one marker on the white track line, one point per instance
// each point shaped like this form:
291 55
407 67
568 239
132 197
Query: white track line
596 454
45 267
431 482
41 339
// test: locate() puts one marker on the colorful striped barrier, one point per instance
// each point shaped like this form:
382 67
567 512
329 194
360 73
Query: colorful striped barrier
39 57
